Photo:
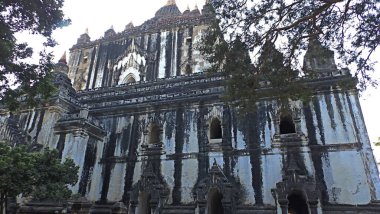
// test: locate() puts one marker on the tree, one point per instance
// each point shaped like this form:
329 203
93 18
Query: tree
285 29
16 173
40 175
37 17
53 176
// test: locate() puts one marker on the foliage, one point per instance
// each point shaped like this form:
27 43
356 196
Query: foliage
53 177
16 172
40 175
378 142
276 32
36 17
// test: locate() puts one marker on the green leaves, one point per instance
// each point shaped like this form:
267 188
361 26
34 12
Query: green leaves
350 28
53 177
40 175
38 17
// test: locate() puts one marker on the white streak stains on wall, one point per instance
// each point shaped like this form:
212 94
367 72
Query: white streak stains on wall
162 62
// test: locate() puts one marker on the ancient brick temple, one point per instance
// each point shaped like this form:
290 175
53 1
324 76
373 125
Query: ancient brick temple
151 134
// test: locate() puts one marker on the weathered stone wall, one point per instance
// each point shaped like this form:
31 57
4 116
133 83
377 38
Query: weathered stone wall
153 144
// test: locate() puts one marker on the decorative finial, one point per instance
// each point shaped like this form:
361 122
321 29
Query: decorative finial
196 7
63 59
86 31
171 2
111 27
188 7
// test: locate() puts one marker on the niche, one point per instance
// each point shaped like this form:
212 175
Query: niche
215 129
143 205
297 204
214 202
287 125
188 70
131 79
154 134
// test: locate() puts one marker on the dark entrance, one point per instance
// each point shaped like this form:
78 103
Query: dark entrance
286 125
297 204
215 129
143 206
214 202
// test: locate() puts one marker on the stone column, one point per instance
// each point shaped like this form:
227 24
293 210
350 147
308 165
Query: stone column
132 207
284 205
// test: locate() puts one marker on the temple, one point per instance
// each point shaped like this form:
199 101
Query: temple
151 134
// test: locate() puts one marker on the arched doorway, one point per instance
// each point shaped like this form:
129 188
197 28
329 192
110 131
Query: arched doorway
214 202
143 203
286 125
215 129
297 204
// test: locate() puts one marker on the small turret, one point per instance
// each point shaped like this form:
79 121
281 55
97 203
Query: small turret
84 38
319 60
195 11
129 26
63 59
207 8
61 66
110 32
187 11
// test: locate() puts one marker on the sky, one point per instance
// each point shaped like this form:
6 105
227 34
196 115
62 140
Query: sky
99 15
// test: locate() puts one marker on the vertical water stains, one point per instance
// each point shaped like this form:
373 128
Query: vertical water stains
250 128
179 141
340 110
317 110
227 140
109 152
133 142
34 120
88 165
330 110
316 155
179 51
39 125
203 159
352 113
168 53
61 144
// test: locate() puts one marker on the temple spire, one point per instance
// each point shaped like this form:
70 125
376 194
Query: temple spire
171 2
63 59
86 31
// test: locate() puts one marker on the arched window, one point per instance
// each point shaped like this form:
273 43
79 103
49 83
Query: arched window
297 204
131 79
214 202
286 125
215 129
154 134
